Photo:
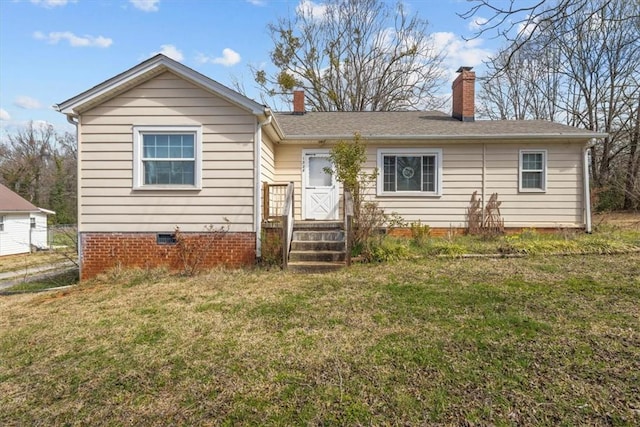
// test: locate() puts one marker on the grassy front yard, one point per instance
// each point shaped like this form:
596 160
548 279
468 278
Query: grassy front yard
530 341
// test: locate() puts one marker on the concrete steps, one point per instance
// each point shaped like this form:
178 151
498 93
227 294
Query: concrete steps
317 247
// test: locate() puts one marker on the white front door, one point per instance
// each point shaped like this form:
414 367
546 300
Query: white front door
319 188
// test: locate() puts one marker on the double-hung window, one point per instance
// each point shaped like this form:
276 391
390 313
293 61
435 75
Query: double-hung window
410 172
1 223
533 171
167 157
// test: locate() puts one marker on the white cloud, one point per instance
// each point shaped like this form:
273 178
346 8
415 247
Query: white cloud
52 3
314 10
459 52
257 2
171 51
477 23
229 57
27 103
525 28
74 41
145 5
4 115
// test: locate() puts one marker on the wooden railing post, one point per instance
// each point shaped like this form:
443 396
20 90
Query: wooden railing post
285 238
287 225
265 201
348 226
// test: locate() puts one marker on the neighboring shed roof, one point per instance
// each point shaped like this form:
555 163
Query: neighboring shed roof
418 125
12 202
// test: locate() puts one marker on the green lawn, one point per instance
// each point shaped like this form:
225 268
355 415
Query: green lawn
431 340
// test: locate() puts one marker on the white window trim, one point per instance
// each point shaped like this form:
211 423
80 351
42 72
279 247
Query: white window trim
138 169
2 222
409 151
521 170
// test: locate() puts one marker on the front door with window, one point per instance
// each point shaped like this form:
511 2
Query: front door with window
319 189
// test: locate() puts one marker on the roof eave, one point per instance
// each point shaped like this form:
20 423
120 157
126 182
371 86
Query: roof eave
546 136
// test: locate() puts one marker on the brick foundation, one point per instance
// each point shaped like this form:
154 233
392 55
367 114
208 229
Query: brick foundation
102 251
457 231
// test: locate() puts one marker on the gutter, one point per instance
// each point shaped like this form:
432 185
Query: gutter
493 137
276 126
257 187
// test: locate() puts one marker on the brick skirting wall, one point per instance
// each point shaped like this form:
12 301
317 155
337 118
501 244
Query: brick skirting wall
459 231
102 251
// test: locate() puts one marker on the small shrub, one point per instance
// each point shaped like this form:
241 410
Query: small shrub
445 247
193 249
419 233
386 249
348 159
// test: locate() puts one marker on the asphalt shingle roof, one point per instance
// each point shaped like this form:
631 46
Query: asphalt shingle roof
413 123
11 202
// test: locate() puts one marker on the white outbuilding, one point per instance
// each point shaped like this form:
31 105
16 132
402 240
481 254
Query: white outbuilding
23 226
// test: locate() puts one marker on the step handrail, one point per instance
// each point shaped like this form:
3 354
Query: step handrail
348 226
287 225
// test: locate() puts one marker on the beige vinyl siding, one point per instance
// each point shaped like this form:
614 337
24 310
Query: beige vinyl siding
560 206
267 170
267 166
288 164
461 175
108 202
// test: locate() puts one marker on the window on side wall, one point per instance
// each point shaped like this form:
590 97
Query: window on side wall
533 171
410 172
167 157
32 222
1 223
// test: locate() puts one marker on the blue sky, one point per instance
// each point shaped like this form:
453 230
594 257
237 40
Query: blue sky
51 50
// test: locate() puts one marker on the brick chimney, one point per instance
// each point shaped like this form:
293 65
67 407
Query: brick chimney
464 95
298 102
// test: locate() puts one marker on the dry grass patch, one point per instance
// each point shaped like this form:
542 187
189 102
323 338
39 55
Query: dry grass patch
541 341
624 220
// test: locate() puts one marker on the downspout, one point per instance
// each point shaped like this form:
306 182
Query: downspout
587 190
484 177
258 190
76 123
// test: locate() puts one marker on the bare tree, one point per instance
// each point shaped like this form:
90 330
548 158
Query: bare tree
27 156
527 88
40 165
354 55
520 22
581 69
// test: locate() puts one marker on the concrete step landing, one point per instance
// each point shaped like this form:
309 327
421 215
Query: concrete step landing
317 247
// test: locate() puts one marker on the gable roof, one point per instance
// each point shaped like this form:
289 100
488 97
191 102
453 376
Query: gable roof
12 202
387 125
143 72
420 125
